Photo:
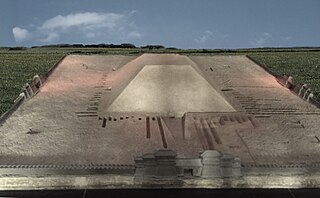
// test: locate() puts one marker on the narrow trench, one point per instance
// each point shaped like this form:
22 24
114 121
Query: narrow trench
104 122
164 141
148 126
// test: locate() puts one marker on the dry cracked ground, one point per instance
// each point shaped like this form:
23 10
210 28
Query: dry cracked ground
110 109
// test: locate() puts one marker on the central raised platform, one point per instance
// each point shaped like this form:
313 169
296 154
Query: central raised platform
171 91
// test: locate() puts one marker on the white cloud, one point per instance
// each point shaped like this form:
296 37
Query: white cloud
52 36
262 40
87 20
92 25
20 34
205 37
134 35
90 35
83 27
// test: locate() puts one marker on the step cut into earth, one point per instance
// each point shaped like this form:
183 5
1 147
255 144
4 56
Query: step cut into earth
171 91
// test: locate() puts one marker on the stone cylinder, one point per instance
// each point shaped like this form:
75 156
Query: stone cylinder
149 165
211 164
226 166
166 163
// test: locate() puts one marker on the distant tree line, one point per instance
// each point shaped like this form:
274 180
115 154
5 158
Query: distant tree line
161 47
17 48
101 45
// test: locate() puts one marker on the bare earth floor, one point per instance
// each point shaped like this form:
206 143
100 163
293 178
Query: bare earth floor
89 113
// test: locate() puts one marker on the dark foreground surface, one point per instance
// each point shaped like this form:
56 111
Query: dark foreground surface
170 193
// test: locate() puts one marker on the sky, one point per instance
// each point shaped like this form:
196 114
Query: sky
186 24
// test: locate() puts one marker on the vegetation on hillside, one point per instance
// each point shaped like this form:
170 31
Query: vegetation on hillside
16 69
304 67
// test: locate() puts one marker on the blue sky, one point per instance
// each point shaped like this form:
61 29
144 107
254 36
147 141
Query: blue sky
173 23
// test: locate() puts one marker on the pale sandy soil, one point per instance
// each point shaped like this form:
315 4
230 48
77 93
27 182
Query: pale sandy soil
275 126
287 124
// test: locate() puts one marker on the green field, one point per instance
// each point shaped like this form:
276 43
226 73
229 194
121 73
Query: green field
19 67
16 69
304 67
